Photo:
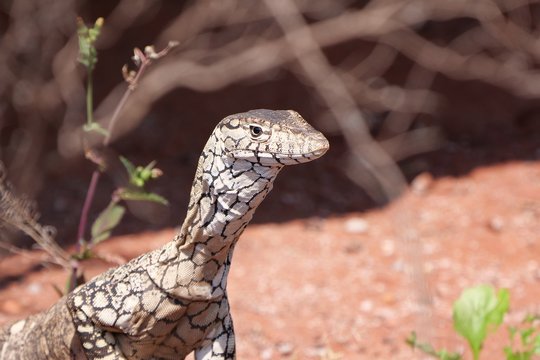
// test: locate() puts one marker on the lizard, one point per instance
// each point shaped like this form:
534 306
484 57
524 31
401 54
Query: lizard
172 301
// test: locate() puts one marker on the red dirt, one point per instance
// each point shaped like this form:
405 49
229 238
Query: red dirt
337 287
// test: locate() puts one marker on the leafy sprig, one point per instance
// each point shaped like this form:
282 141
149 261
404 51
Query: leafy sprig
478 312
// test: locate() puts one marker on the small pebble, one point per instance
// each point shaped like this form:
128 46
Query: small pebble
422 183
496 224
366 306
267 353
34 288
285 348
356 226
388 247
317 351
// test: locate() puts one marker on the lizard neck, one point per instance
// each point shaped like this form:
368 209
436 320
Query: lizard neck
224 196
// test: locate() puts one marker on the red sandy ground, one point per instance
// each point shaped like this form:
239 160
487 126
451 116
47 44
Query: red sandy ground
340 287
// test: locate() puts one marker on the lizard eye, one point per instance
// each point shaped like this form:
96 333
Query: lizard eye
255 131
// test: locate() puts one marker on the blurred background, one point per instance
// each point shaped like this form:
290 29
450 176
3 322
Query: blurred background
431 108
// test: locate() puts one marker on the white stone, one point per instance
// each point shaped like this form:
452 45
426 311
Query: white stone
356 225
388 247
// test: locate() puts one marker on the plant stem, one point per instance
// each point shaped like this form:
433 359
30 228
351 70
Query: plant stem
123 101
81 243
89 98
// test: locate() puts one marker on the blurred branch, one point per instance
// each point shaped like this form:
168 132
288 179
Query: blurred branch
223 43
341 103
399 121
392 25
29 41
521 81
412 142
123 16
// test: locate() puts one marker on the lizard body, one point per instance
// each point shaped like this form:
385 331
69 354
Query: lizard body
173 300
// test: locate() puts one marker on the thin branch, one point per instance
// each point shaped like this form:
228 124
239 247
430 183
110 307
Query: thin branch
413 142
339 100
81 243
439 59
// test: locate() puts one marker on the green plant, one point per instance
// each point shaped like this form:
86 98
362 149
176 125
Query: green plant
524 339
428 349
139 176
88 57
478 312
19 212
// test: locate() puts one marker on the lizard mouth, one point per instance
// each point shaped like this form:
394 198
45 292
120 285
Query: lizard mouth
277 157
311 155
316 147
320 152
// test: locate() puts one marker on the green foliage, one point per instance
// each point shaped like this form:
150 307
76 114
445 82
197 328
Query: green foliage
111 216
479 310
106 221
528 338
428 349
87 38
134 195
138 177
88 57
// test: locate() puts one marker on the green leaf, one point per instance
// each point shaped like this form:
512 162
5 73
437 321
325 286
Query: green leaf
511 355
529 339
130 168
531 318
106 221
133 172
536 345
525 335
479 311
135 195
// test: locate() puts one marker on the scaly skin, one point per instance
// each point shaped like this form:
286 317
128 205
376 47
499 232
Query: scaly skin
172 301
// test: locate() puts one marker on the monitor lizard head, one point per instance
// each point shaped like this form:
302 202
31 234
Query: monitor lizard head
271 137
